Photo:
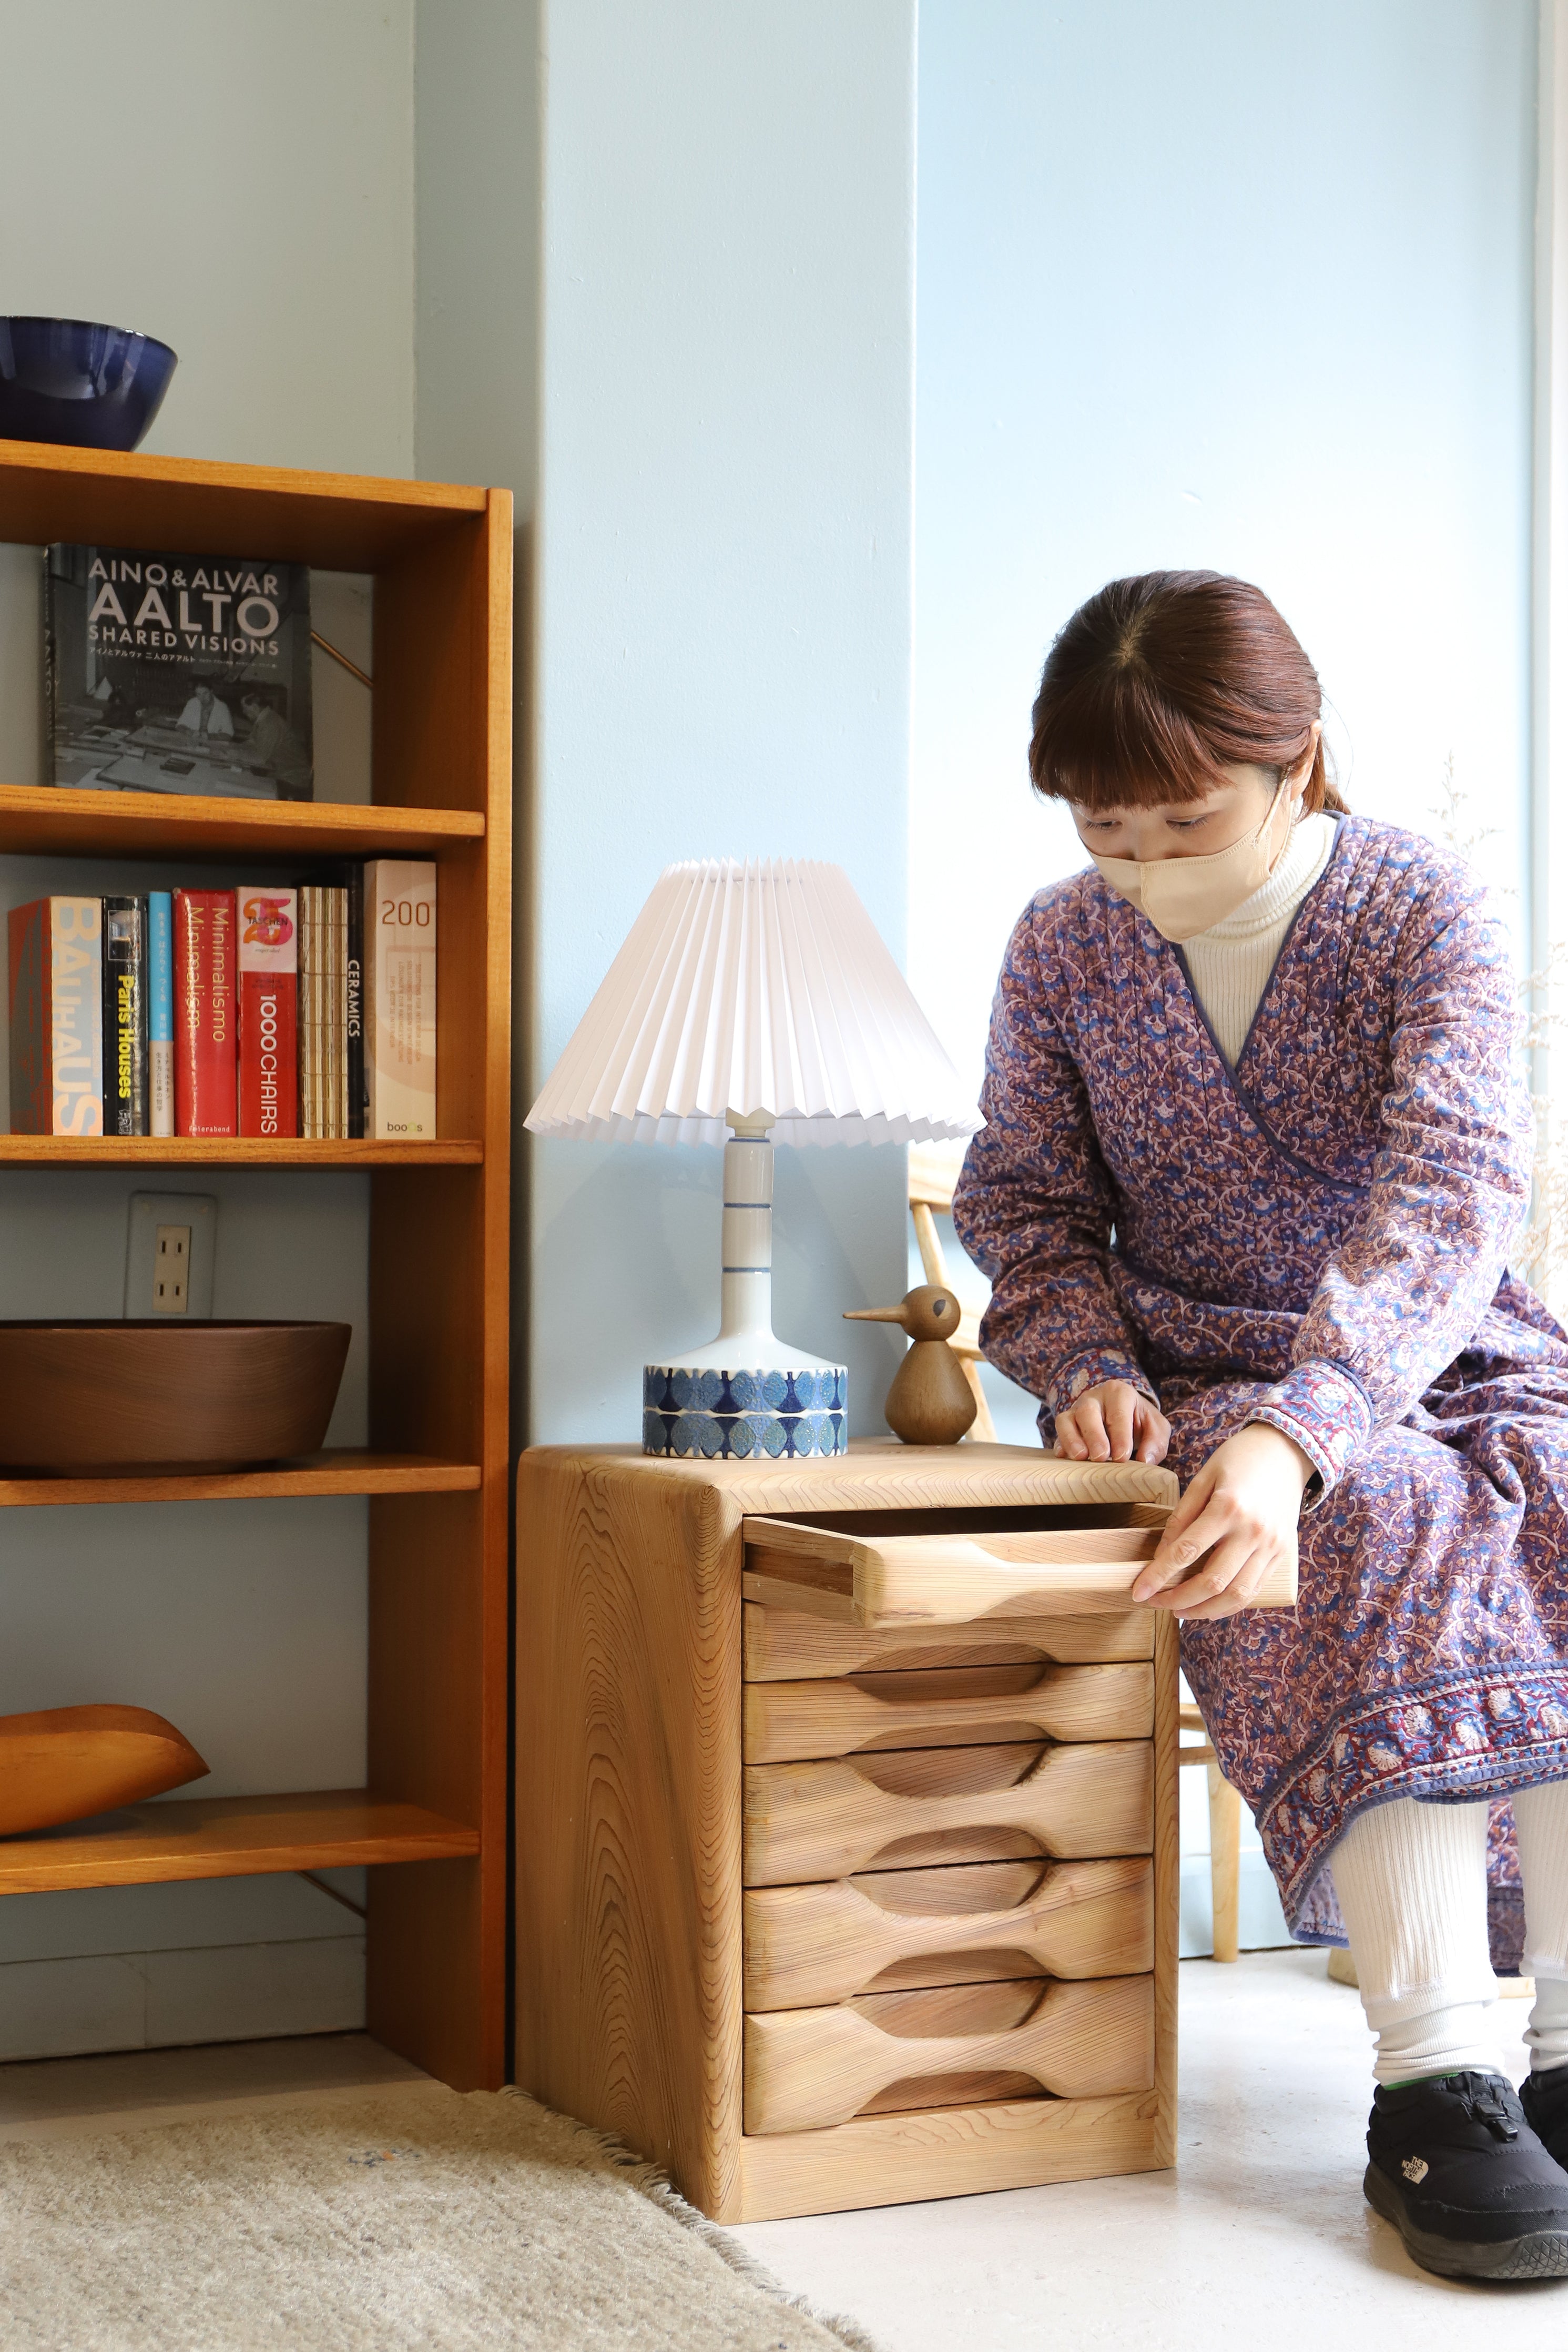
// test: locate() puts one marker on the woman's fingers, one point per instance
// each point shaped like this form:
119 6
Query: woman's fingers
1089 1422
1219 1572
1172 1545
1237 1595
1119 1418
1153 1431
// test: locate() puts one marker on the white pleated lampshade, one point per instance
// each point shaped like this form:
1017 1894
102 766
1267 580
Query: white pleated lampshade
764 990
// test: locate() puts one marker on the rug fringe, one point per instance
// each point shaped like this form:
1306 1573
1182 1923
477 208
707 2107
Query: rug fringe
660 2191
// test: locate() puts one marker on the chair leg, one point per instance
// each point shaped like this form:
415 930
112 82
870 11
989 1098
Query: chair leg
983 1429
1225 1861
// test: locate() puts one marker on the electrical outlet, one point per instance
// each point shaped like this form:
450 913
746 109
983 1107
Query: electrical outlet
171 1247
171 1270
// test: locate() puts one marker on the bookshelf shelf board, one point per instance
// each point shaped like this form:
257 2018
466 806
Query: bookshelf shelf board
233 1151
54 820
341 1470
229 1837
339 522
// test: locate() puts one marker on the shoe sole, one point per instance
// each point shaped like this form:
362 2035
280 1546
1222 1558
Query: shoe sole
1539 2255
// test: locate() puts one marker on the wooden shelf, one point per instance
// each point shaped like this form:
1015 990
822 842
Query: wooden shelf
343 1470
438 1287
229 1837
233 1151
340 523
42 820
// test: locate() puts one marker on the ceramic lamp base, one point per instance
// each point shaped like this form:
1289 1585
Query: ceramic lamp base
722 1415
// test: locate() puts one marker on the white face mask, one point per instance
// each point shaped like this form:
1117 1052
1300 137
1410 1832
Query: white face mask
1184 896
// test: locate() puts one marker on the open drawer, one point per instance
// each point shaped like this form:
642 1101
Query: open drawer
956 1577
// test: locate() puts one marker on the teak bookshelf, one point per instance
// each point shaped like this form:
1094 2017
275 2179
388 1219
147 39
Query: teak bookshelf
431 1822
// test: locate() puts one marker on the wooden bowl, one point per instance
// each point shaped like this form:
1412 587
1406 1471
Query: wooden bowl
71 1762
86 1397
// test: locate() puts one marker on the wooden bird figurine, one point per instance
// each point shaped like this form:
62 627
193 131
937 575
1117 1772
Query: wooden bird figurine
930 1402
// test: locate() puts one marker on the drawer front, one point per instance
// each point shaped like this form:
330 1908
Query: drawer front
832 1817
896 1929
783 1645
939 1706
807 2069
945 1580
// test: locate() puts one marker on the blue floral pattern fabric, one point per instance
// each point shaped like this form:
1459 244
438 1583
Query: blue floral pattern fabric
1317 1239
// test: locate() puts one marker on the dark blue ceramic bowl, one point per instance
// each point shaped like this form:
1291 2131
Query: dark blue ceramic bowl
64 379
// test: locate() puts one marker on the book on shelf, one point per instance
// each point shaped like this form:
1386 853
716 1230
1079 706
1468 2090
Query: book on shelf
206 1070
56 1017
268 1022
400 997
168 673
125 1100
161 1012
354 1002
264 1010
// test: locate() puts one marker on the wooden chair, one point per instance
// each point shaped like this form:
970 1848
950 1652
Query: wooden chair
932 1173
1224 1839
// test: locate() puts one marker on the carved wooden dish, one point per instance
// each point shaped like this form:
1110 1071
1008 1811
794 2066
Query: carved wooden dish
68 1762
162 1395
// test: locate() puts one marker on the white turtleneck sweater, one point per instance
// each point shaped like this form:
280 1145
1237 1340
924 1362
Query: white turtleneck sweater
1230 963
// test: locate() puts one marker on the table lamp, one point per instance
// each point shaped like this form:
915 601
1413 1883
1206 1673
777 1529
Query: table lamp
752 1005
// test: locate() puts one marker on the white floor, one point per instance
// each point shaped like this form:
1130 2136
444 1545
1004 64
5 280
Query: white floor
1260 2238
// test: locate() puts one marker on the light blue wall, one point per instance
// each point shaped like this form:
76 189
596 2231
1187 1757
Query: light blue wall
723 604
1242 284
1245 285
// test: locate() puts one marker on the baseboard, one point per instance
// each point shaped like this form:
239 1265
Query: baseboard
67 2007
1261 1923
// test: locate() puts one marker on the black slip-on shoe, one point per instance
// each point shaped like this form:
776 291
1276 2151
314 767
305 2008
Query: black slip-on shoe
1465 2180
1545 2098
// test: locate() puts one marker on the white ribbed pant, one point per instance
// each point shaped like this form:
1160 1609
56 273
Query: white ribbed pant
1412 1884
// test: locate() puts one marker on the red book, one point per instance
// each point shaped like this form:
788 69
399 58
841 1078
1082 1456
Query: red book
205 1025
268 985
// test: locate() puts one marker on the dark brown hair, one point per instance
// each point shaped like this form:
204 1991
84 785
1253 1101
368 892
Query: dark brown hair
1157 682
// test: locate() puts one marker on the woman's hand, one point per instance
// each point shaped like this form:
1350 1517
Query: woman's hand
1242 1509
1113 1423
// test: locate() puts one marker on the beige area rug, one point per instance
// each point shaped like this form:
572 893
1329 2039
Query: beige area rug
407 2216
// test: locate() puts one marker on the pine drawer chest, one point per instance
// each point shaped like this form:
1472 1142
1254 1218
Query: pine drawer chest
846 1819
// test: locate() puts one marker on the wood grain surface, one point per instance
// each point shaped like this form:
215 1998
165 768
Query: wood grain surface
784 1645
893 2159
66 1762
632 1789
960 1705
436 1469
337 1470
830 1819
55 821
806 2068
339 522
237 1152
889 1579
811 1945
231 1837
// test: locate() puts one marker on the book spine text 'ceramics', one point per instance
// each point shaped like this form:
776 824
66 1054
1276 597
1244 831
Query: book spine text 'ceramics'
56 1017
161 1012
206 1064
269 983
125 1016
400 996
354 1003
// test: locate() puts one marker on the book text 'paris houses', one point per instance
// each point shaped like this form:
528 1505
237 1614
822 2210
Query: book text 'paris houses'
168 673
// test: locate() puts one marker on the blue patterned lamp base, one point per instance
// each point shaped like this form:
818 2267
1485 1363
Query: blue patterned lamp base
730 1415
